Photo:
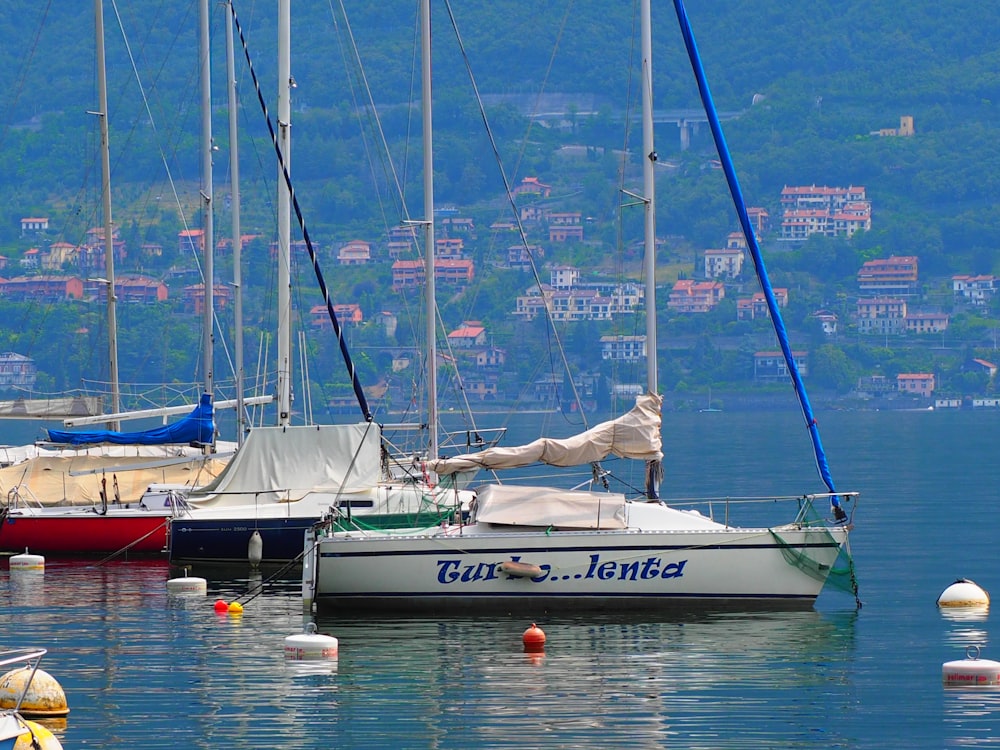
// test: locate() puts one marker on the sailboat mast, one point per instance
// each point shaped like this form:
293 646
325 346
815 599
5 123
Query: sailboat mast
109 243
654 469
429 249
649 192
208 228
284 215
234 181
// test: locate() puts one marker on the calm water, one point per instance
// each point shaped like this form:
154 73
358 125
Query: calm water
141 669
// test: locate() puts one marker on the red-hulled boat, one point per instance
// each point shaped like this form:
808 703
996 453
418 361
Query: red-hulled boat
85 530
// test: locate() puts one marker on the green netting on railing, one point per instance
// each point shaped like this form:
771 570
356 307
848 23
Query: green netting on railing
800 558
840 575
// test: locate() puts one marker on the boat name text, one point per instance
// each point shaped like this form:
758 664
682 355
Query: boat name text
454 571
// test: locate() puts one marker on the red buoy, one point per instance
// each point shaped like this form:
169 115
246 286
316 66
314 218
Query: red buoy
533 638
221 606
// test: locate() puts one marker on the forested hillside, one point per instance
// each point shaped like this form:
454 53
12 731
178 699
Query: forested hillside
804 87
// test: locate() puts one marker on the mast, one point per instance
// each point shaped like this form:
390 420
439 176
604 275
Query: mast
429 249
109 243
234 179
208 334
653 468
285 85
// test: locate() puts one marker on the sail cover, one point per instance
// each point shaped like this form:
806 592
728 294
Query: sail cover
294 461
196 427
633 435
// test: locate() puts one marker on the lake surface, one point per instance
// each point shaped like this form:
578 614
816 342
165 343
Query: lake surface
147 670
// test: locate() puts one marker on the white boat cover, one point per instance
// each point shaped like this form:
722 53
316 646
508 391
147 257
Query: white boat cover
66 479
295 461
518 505
633 435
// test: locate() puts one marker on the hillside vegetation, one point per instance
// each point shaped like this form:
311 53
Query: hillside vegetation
806 85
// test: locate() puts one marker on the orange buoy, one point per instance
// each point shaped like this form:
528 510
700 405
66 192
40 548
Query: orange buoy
221 606
533 638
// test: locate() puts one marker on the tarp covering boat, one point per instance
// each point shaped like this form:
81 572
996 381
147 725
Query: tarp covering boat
50 408
288 463
633 435
197 427
518 505
77 480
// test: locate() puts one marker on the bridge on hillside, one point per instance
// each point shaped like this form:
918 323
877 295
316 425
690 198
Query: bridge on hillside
566 110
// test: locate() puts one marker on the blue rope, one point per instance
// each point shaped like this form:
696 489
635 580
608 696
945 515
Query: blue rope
751 238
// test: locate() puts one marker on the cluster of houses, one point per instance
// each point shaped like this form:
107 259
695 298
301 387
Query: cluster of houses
884 306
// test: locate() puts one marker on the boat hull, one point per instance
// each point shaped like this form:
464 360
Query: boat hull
85 532
742 567
226 541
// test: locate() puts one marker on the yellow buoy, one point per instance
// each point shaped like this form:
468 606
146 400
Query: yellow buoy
964 593
43 697
37 737
235 608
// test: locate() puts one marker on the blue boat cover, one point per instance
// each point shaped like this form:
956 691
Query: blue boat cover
197 427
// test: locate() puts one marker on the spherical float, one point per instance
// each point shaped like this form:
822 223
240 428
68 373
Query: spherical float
27 562
37 737
533 638
235 608
971 671
187 586
963 593
311 646
44 696
221 606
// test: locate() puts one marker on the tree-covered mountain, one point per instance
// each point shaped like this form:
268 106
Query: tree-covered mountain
807 85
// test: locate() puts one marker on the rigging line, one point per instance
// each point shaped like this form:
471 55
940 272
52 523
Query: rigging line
517 218
375 119
355 379
751 238
360 71
156 133
23 74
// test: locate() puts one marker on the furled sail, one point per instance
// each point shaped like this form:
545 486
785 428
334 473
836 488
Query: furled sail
633 435
198 427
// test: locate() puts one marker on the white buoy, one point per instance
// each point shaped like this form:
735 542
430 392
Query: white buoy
310 646
187 586
971 671
27 562
255 549
963 593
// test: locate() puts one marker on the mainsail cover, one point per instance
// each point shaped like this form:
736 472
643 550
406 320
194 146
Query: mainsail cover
633 435
197 427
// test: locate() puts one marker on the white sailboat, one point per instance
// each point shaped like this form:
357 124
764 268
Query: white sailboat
540 547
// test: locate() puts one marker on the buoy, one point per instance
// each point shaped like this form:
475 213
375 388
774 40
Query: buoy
187 585
37 737
310 646
235 608
221 606
971 671
517 569
963 593
255 549
26 562
533 638
43 697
